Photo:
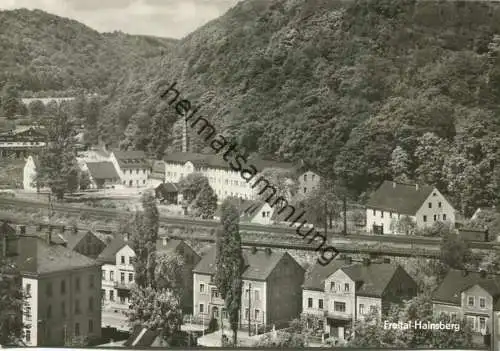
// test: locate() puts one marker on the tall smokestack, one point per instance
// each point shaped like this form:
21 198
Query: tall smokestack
184 136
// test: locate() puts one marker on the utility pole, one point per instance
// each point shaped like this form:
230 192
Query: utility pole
344 204
326 219
249 308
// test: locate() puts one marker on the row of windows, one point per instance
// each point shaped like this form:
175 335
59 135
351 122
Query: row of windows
111 297
130 171
130 183
215 292
122 276
310 303
436 217
24 143
312 177
49 287
338 306
76 331
256 315
338 287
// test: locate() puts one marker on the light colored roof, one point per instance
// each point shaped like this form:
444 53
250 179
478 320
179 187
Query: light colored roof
102 170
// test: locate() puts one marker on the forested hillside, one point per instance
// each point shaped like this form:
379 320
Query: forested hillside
40 52
360 90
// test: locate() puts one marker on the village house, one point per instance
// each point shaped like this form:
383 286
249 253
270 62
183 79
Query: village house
394 202
133 167
307 183
271 289
63 289
102 175
473 296
343 292
85 242
251 211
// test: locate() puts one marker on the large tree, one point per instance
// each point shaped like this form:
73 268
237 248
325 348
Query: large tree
58 168
323 205
11 102
36 108
144 238
229 264
455 253
200 196
11 302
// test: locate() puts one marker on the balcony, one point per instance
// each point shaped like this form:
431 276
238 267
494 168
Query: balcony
121 285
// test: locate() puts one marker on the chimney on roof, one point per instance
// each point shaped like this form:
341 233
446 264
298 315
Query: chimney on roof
366 261
268 251
394 184
416 187
482 273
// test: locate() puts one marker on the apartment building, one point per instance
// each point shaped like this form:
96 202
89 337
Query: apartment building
221 177
473 296
422 204
271 289
63 289
344 292
132 167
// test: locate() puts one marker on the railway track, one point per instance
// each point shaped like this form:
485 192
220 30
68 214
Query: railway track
244 227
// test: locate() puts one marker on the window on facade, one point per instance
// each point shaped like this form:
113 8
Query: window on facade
257 314
435 218
28 335
131 277
91 326
361 308
346 287
439 204
444 217
482 302
77 283
77 307
257 295
339 306
425 218
202 288
123 259
332 286
470 301
112 276
111 295
202 308
305 190
430 204
103 275
309 302
381 214
471 321
122 277
28 313
77 329
390 214
28 289
374 212
320 304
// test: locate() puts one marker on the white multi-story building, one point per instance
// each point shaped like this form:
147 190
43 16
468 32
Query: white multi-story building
423 205
21 142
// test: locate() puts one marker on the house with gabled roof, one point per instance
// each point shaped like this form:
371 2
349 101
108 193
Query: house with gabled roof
63 289
84 242
473 296
343 292
272 292
133 167
422 204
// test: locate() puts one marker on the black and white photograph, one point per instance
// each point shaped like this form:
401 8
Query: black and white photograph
259 174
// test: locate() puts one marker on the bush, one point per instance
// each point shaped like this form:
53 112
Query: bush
213 325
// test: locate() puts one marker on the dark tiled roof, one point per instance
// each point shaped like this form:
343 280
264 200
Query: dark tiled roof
259 265
455 282
108 255
102 170
38 257
216 161
402 198
131 159
373 278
